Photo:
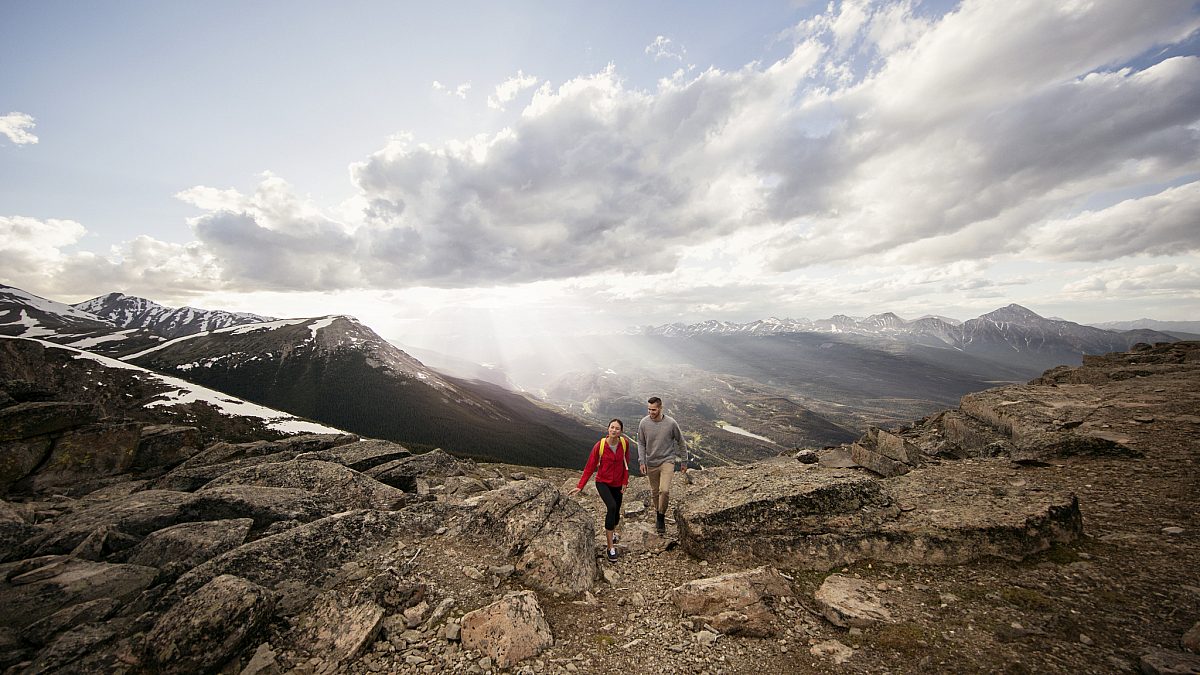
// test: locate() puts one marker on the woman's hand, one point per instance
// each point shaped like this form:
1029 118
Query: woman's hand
573 492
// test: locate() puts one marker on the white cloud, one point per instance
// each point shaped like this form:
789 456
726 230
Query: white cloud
34 254
459 91
663 48
28 245
1166 223
18 127
1178 281
890 157
507 90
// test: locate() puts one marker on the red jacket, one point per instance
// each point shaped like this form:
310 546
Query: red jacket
614 469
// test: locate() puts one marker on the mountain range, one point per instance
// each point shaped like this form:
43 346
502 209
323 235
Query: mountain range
133 312
1012 335
332 370
742 391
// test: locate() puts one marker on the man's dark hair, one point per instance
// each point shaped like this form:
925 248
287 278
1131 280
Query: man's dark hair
654 400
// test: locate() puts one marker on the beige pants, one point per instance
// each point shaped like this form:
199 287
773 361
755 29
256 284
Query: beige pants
660 484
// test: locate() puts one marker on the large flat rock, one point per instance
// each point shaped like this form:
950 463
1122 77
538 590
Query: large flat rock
786 513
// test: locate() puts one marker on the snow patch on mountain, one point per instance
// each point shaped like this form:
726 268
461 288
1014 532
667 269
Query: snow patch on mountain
44 305
185 392
33 329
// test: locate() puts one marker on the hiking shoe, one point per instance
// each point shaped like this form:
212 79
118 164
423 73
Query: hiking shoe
660 524
612 555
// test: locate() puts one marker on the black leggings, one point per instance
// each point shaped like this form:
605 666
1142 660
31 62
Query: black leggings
611 494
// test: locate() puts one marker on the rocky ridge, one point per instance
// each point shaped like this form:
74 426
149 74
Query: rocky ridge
1040 527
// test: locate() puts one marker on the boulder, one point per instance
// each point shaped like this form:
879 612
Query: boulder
181 547
1042 423
24 391
20 457
164 446
85 453
26 420
338 627
345 488
208 627
75 651
15 528
1166 662
434 467
136 515
188 477
221 452
42 631
740 603
265 505
1191 639
34 589
302 554
850 602
781 511
966 436
885 453
509 630
549 534
362 455
785 513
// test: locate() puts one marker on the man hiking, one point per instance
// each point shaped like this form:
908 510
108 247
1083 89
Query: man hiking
660 446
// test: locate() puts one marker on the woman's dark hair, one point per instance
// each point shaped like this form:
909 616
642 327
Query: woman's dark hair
618 421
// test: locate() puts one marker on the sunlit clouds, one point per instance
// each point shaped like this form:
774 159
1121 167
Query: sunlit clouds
18 128
889 159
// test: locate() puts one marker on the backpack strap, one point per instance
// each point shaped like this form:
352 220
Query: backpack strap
624 451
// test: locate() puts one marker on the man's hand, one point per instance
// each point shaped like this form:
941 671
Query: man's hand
643 468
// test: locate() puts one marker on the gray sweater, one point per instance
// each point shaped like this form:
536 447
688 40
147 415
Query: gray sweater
660 442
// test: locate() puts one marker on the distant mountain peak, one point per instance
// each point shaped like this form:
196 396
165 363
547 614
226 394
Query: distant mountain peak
1013 313
131 311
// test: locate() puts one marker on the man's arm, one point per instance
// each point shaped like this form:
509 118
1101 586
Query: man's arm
681 444
641 443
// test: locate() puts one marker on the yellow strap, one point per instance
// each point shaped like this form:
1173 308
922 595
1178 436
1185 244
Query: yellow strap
624 452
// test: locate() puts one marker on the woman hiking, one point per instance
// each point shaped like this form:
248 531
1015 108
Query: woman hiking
610 461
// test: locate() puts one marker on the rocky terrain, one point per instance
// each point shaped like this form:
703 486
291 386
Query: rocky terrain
1046 527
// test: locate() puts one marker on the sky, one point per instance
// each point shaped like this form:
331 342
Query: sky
465 174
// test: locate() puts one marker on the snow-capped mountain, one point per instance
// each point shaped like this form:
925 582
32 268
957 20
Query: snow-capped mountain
125 390
338 371
1152 324
1012 334
129 311
23 314
332 369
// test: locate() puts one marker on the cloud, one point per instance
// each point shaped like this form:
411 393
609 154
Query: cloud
34 254
273 239
507 90
459 91
28 245
1163 224
966 125
1176 281
18 127
662 48
886 139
